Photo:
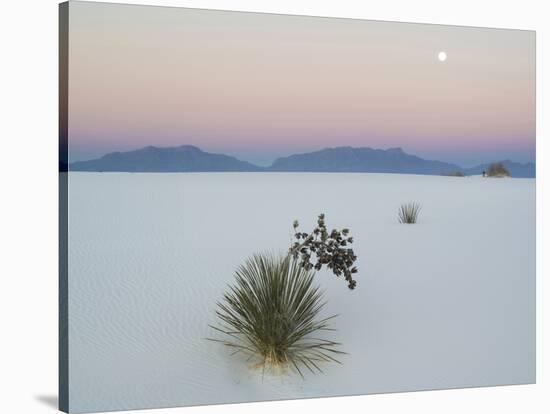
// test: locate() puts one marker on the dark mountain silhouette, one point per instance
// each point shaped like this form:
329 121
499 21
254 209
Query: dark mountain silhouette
185 158
515 169
188 158
349 159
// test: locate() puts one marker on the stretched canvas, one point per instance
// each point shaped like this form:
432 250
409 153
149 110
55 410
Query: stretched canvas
260 207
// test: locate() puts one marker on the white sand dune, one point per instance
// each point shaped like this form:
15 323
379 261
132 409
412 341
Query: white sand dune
448 302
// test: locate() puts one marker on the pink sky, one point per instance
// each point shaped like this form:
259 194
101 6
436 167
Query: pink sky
260 86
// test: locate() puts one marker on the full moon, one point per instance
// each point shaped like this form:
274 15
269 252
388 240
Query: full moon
442 56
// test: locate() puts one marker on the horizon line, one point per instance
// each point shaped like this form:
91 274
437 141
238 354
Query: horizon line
255 164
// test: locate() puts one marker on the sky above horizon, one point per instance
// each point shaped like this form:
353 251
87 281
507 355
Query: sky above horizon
260 86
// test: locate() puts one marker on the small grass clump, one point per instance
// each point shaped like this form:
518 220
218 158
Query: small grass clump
456 173
271 312
408 213
497 169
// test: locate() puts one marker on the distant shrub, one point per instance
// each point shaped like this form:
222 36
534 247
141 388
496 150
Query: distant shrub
408 213
271 312
497 169
455 174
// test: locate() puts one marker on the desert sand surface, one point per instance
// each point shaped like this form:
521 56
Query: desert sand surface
447 302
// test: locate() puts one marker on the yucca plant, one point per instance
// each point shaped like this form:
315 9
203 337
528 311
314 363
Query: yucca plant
408 213
271 314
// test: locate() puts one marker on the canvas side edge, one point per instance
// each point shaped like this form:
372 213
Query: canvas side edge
63 228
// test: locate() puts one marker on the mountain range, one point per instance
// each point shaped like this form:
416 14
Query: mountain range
185 158
189 158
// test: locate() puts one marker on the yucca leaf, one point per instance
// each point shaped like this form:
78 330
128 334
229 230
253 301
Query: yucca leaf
270 313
